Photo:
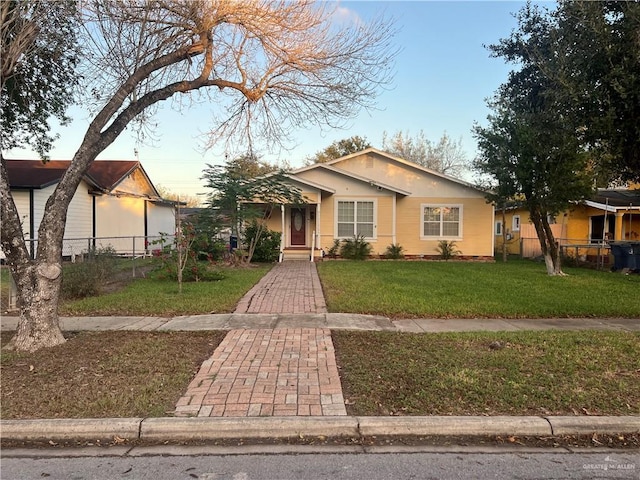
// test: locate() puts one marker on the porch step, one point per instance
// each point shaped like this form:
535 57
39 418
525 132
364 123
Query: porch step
296 255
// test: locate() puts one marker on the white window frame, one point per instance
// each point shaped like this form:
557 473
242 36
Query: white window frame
498 230
515 223
355 221
460 208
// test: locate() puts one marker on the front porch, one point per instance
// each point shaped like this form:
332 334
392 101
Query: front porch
300 228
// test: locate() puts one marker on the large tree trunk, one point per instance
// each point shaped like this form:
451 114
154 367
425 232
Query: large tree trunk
548 243
38 294
38 280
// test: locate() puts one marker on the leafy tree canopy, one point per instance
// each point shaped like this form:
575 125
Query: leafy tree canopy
586 57
445 156
39 56
340 148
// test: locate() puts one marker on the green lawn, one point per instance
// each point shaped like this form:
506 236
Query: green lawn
518 288
150 296
525 373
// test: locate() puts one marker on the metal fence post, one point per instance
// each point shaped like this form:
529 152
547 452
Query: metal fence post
133 256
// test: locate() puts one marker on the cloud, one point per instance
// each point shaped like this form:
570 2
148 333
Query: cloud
343 15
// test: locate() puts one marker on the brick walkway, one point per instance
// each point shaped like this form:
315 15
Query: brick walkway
267 372
259 372
290 287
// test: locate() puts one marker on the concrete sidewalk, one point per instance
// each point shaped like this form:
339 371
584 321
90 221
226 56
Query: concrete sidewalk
333 321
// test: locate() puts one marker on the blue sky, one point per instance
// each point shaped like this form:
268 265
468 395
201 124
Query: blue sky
443 76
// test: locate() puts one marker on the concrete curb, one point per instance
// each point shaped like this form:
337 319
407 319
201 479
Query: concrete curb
215 428
70 429
474 426
589 425
211 428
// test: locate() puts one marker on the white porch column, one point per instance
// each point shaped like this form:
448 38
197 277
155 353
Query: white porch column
393 214
282 229
318 242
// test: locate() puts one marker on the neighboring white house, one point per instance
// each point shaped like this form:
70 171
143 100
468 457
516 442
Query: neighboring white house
115 202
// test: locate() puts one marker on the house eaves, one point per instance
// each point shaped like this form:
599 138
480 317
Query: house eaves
311 184
610 208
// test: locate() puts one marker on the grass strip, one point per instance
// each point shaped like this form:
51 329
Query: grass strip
490 373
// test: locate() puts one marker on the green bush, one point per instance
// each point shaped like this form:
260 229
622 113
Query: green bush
356 248
334 249
268 246
84 279
394 251
447 249
194 271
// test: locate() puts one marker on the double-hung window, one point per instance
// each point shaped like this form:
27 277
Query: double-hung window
441 221
355 217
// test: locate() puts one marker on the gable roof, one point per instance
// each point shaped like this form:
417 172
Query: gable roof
105 175
398 160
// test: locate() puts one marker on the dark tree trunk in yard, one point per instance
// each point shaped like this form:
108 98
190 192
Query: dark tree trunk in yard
38 280
548 243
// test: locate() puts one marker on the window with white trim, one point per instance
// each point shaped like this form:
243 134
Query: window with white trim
499 227
515 226
355 217
441 221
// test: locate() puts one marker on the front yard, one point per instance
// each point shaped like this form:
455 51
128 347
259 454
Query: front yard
121 374
517 289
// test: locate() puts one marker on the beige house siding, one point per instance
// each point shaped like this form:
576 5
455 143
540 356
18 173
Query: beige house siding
119 217
475 238
406 176
136 182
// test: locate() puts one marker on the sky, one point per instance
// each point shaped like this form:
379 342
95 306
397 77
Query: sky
443 76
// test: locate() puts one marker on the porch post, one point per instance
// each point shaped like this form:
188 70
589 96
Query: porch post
393 219
318 233
618 226
282 244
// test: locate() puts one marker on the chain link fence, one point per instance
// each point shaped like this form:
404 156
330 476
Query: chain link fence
574 251
88 250
77 249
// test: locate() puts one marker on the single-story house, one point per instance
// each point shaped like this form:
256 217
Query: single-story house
387 200
116 205
609 215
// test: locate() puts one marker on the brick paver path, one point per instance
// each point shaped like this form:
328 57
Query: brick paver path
267 372
258 372
290 287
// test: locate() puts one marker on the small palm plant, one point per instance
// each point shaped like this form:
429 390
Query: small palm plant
447 249
356 248
394 251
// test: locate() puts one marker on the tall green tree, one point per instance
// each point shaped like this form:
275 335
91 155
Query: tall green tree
587 55
245 192
530 147
528 155
39 52
339 148
266 65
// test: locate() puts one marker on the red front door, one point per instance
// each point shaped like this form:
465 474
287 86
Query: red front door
298 236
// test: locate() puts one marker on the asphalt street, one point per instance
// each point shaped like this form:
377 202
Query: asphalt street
494 464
